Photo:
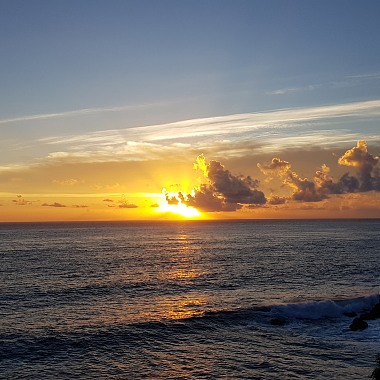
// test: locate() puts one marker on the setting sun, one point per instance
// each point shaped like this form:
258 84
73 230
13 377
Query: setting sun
179 209
176 207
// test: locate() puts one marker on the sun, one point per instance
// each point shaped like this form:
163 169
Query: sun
177 207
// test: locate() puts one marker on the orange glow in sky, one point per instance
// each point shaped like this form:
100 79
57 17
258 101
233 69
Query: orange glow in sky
178 208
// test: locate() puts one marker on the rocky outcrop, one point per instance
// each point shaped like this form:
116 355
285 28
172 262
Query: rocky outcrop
359 323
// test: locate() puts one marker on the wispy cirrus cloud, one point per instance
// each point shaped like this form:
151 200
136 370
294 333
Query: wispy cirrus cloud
73 113
347 81
220 137
223 125
234 135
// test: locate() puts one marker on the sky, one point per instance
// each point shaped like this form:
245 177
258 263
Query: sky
206 109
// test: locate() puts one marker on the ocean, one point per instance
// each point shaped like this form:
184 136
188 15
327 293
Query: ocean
188 299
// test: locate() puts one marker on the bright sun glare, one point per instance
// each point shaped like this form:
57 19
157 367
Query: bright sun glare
179 209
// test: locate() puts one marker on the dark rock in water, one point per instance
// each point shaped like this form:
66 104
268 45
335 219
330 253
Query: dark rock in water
367 316
375 312
350 314
358 324
278 321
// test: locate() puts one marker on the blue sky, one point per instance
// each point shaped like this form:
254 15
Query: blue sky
79 78
186 59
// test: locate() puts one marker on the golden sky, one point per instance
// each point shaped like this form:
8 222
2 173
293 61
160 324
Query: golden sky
161 110
307 182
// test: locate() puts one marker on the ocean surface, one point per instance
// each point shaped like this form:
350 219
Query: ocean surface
188 300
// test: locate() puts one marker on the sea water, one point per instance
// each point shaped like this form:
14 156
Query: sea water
188 299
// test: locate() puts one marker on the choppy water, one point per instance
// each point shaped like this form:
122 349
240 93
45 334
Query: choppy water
188 300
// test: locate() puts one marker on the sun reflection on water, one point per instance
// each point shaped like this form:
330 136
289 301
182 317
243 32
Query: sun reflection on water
186 308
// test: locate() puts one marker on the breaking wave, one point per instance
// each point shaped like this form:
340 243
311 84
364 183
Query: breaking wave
325 308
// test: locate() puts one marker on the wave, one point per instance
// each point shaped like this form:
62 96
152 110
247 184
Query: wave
26 345
308 310
325 308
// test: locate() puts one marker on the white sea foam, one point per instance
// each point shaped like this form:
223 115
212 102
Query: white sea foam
326 308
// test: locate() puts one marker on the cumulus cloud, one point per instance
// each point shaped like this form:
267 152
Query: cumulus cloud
323 184
223 191
173 199
360 158
303 189
233 189
276 167
205 199
276 200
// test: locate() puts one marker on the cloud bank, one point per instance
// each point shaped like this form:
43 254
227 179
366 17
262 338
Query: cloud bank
224 191
323 185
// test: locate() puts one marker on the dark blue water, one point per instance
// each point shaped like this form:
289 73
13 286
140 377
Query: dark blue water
188 300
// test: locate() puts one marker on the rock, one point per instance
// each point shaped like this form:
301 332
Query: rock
376 372
358 324
375 312
367 316
278 321
350 314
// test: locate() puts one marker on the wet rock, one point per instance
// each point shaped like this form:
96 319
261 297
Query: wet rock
358 324
375 312
376 372
278 321
367 316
